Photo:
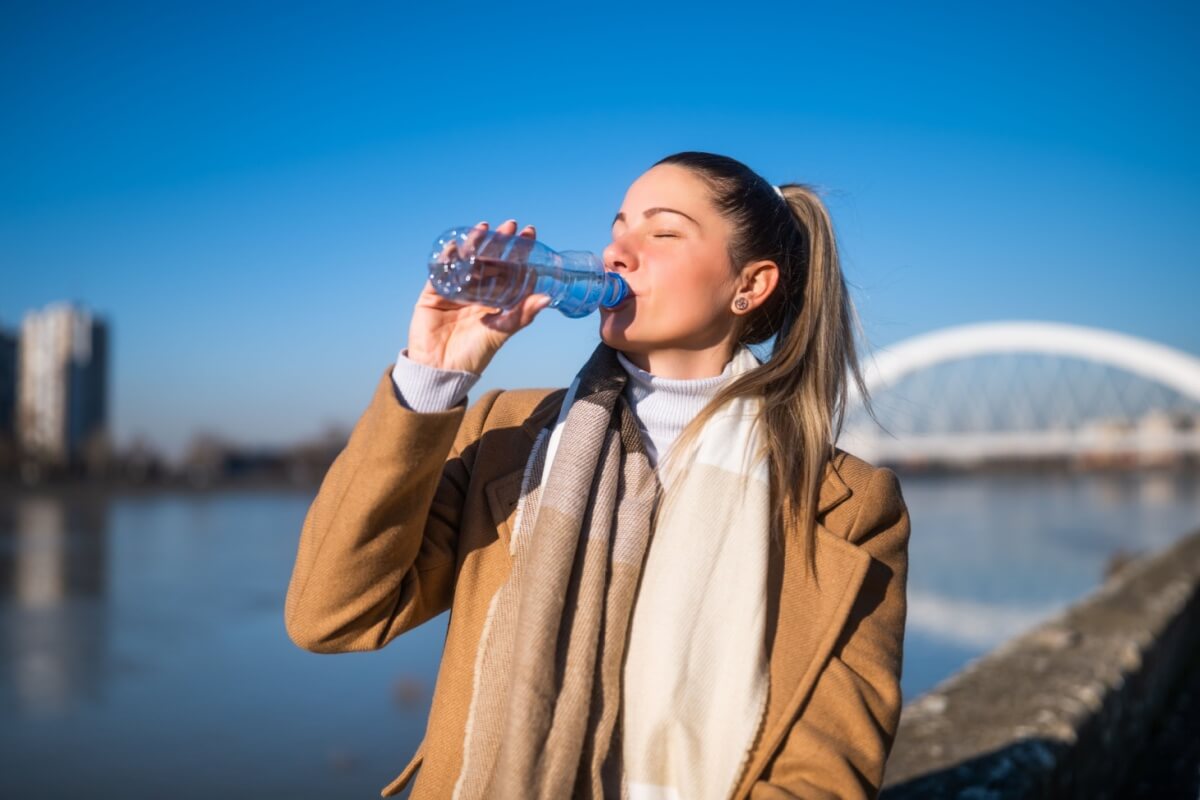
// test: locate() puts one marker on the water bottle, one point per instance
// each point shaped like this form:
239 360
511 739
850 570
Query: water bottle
473 265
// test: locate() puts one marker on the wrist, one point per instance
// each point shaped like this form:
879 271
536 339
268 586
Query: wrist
419 356
434 362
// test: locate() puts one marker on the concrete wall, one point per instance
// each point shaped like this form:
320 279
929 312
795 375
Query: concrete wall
1060 711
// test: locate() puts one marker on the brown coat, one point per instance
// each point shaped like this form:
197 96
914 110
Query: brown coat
414 517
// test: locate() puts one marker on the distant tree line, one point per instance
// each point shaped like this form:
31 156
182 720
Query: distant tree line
209 460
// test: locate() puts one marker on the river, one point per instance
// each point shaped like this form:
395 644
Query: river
143 651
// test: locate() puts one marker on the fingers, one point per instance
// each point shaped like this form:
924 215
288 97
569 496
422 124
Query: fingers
523 244
519 316
494 247
488 257
474 237
531 306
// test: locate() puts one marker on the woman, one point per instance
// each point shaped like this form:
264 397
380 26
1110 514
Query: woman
752 646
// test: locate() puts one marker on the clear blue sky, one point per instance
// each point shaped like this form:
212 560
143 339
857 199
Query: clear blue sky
248 190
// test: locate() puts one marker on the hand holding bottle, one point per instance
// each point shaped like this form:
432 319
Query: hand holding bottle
498 270
451 335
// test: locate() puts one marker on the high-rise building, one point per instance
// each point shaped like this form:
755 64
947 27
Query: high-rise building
62 386
8 388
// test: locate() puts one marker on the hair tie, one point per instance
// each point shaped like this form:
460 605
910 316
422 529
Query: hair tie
778 191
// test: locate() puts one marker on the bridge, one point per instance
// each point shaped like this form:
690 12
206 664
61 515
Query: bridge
1015 390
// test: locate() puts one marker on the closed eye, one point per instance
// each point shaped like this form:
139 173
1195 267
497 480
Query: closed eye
666 235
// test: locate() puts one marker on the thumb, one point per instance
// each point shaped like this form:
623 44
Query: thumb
531 306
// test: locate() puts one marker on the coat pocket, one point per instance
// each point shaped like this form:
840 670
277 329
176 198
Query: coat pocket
503 495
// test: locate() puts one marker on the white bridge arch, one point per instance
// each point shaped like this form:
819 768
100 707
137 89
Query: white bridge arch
983 437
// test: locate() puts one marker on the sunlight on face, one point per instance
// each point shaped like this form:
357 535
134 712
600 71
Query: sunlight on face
671 246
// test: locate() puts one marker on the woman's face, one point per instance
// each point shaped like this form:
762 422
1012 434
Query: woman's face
671 246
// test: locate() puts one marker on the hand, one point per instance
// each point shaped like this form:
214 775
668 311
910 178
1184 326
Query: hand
451 335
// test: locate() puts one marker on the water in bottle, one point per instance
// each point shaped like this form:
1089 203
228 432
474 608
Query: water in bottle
470 264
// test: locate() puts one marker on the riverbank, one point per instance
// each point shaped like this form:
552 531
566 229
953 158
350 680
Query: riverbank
1061 710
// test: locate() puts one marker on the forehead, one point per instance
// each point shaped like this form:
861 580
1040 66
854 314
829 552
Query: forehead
671 185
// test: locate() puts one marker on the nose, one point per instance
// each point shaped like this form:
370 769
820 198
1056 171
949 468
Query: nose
618 257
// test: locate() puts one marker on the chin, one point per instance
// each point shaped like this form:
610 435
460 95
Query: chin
617 334
621 330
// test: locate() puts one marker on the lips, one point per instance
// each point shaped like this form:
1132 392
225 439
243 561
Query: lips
628 298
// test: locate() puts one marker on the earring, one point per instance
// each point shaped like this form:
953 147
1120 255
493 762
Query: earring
741 304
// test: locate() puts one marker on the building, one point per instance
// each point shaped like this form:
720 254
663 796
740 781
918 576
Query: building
8 392
62 386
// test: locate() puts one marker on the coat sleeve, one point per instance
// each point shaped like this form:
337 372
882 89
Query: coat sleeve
839 744
377 550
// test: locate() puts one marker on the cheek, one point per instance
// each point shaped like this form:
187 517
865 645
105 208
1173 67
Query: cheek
675 297
692 291
688 304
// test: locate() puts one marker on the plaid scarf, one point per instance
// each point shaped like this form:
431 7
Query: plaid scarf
577 693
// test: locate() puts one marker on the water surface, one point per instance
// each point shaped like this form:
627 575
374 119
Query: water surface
143 652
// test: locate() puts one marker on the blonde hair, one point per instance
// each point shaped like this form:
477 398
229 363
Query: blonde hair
812 321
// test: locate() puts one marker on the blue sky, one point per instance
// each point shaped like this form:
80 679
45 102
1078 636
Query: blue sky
248 190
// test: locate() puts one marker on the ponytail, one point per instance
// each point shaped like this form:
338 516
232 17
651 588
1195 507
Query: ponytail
810 317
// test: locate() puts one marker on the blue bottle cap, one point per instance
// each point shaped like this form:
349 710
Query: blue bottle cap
615 290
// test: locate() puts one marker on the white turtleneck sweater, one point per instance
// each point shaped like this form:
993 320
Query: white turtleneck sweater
663 406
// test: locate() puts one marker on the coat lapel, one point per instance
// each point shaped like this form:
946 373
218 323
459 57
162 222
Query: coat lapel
807 622
809 615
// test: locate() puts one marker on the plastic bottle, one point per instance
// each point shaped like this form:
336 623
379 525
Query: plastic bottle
474 265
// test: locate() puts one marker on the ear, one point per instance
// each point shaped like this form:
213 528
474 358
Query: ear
757 281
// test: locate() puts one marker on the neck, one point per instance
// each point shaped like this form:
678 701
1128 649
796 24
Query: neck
664 406
684 364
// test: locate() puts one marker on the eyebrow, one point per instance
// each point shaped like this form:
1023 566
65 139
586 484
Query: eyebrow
650 212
